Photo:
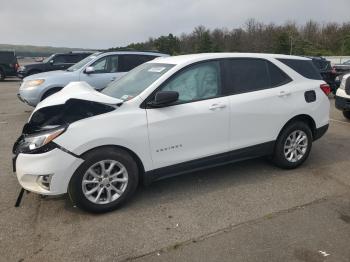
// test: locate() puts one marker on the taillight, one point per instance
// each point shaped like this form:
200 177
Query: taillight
17 66
326 89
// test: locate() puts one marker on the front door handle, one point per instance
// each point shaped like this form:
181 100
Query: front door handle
217 106
283 93
113 78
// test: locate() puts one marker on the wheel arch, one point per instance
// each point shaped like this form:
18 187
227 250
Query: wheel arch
307 119
137 159
46 91
2 69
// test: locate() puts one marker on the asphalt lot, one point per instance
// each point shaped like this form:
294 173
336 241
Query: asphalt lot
250 211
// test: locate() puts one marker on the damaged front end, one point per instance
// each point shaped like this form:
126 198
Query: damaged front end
50 120
47 123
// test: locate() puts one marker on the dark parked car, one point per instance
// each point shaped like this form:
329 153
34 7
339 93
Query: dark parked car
54 62
342 68
327 72
8 64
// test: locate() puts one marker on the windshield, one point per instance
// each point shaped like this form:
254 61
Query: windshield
347 62
136 81
46 60
83 62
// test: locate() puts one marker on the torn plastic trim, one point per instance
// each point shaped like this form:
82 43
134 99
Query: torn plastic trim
64 114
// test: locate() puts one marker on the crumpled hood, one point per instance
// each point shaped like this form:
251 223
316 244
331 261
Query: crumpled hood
77 90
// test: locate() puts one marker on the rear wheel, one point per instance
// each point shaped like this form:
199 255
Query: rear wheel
293 145
107 179
2 75
346 114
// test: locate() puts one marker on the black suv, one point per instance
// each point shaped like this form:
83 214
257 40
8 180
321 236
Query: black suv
54 62
327 72
8 64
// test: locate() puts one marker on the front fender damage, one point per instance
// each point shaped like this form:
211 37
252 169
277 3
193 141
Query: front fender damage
57 116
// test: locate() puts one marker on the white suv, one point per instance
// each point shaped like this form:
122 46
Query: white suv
342 98
170 116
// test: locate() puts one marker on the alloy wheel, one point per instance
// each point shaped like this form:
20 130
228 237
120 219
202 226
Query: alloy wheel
105 181
295 146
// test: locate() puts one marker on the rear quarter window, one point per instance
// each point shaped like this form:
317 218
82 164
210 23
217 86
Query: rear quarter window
7 57
129 62
304 67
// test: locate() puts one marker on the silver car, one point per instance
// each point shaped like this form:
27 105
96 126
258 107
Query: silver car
98 70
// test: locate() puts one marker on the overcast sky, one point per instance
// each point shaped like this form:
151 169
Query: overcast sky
110 23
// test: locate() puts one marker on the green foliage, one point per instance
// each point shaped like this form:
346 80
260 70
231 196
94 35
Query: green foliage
310 39
282 43
167 44
32 51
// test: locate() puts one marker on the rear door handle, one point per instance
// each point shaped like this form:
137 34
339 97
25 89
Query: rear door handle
113 78
217 106
283 93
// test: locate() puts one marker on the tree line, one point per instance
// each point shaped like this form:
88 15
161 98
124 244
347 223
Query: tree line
311 39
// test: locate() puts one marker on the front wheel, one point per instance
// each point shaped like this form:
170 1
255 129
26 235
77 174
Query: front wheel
107 179
346 114
293 145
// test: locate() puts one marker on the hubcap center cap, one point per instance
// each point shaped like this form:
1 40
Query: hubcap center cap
105 181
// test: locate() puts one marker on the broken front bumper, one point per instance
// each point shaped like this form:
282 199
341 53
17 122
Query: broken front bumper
48 173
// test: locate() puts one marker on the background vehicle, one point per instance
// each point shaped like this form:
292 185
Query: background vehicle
98 70
342 68
342 98
170 116
53 62
8 64
327 72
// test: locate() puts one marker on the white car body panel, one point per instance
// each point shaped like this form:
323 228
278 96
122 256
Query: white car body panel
77 90
188 131
31 166
167 136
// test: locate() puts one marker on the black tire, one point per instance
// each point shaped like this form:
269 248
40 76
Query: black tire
279 158
346 114
2 75
49 93
75 189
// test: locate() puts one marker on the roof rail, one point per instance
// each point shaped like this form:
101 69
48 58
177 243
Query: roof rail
83 51
131 50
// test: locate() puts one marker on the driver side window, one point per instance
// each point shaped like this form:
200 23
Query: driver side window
198 82
100 66
107 64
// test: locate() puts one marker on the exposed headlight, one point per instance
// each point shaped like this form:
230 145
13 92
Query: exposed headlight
21 68
32 83
32 142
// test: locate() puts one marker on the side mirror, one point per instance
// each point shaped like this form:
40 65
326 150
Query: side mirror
89 70
164 98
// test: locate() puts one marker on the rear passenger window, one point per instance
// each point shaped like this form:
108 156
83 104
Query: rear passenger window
129 62
304 67
246 75
277 76
72 59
